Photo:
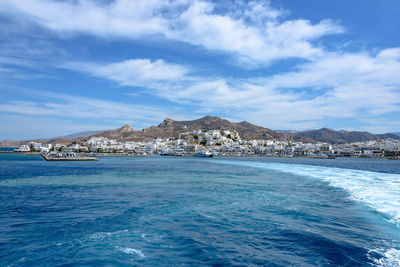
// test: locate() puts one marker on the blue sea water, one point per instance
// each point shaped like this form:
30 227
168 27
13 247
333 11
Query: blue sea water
162 211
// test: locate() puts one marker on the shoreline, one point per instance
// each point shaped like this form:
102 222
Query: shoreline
121 155
19 152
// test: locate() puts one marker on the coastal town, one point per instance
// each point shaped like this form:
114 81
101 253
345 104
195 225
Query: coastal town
223 143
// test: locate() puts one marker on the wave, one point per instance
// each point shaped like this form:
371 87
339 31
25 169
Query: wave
132 251
380 191
387 258
102 235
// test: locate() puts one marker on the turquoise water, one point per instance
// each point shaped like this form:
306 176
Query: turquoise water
161 211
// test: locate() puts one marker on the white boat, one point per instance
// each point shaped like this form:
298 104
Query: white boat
203 154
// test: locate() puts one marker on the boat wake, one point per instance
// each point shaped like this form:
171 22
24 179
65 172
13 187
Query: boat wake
389 257
380 191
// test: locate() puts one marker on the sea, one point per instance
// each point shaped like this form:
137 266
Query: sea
180 211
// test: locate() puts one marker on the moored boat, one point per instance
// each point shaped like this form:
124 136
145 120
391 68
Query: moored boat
203 154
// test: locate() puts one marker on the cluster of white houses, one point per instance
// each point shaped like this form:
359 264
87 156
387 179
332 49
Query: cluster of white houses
223 143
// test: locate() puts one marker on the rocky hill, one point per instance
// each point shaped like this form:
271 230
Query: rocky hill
334 137
169 128
81 134
122 134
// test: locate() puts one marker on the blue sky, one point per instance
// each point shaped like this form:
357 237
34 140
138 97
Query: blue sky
70 66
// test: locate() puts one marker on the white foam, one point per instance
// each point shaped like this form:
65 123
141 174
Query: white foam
103 235
132 251
390 258
380 191
100 235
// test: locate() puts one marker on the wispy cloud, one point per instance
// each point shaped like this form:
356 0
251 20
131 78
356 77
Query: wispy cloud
341 85
353 86
70 106
133 72
255 34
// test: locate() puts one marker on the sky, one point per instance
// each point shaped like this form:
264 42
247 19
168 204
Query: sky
80 65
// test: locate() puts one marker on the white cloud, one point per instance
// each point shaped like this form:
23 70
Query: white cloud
340 86
256 34
69 106
358 87
124 17
133 72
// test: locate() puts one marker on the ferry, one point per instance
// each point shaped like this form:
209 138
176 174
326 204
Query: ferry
204 154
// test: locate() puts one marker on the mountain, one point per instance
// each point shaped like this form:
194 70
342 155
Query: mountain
388 135
287 131
64 140
18 143
81 134
333 137
124 133
169 128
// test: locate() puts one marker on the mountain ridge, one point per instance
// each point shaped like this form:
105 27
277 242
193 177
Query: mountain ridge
81 134
169 128
331 136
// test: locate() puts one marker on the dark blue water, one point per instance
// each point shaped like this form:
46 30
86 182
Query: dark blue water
161 211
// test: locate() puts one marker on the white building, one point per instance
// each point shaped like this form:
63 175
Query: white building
23 148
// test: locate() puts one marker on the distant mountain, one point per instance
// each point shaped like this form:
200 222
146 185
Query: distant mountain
287 131
170 128
17 143
333 137
82 134
64 140
388 135
123 134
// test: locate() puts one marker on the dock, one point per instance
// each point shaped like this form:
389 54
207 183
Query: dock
76 158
